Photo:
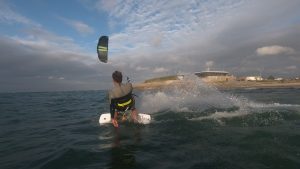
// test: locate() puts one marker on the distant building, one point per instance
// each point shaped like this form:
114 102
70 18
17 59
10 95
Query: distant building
215 76
241 78
180 77
253 78
278 78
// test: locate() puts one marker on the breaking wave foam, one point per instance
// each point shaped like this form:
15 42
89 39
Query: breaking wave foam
204 101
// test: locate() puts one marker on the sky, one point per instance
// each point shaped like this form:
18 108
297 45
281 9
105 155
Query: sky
50 45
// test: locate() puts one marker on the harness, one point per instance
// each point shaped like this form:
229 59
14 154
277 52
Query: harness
122 104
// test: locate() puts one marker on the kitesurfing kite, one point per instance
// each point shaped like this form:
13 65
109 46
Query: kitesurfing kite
102 48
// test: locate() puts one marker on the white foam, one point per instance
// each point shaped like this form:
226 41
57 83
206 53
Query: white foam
220 115
196 97
193 96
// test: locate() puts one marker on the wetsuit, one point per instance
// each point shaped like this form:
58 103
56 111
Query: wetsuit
121 99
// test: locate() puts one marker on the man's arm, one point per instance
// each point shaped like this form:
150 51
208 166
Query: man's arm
129 87
109 96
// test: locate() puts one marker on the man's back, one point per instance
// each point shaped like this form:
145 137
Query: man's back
120 91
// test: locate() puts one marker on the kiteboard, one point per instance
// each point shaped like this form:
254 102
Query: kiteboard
105 118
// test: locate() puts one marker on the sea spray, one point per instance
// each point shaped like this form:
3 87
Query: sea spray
190 95
195 100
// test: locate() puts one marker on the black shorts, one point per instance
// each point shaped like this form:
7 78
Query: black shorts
114 106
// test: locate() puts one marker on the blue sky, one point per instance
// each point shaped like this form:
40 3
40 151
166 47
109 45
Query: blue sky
63 18
51 45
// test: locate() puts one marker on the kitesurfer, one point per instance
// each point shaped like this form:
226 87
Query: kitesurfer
121 98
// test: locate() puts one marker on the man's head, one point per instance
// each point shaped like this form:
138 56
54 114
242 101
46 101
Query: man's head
117 76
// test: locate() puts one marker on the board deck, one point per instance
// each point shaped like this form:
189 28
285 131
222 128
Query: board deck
142 118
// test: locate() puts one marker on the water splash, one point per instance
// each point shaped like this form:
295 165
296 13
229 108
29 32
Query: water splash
191 95
198 101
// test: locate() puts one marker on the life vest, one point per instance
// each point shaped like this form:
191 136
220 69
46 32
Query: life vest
123 103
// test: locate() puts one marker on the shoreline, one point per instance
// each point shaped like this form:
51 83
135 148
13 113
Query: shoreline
222 85
256 84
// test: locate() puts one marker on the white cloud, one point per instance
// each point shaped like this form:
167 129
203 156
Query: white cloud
293 67
160 70
162 36
66 67
79 26
55 78
9 16
140 68
163 25
38 38
274 50
105 5
82 27
209 64
50 44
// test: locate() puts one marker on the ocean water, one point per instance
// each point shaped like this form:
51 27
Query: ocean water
193 127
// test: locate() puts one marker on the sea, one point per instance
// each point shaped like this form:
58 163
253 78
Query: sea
195 126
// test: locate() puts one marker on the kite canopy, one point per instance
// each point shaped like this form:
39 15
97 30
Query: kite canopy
102 48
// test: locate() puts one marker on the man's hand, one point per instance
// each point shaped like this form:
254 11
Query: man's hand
134 116
115 122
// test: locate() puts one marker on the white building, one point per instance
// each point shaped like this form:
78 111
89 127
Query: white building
215 76
279 78
254 78
180 77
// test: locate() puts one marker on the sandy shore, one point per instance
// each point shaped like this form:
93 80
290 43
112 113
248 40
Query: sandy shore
257 84
155 85
224 85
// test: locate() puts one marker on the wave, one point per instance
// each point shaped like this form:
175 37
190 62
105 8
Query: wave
198 101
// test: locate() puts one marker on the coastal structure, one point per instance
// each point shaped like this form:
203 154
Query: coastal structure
219 79
253 78
215 76
279 79
180 77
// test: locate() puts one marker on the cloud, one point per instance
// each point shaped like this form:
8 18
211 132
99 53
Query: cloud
209 64
163 24
56 78
155 38
43 61
140 68
9 16
293 67
183 35
48 43
79 26
36 59
160 70
106 5
274 50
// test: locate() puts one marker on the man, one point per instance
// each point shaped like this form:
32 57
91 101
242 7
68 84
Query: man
121 98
